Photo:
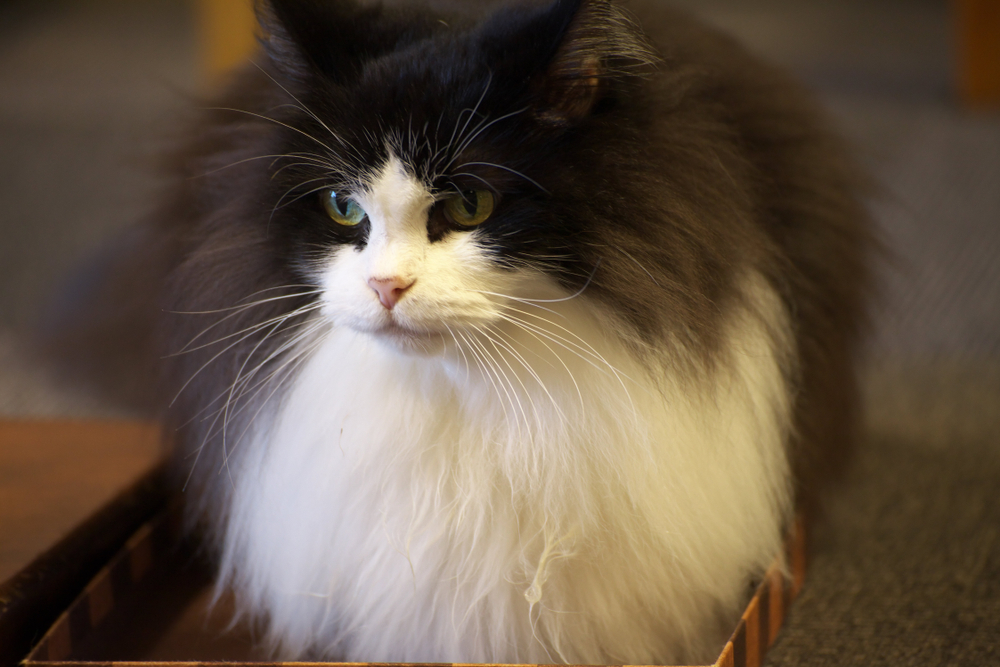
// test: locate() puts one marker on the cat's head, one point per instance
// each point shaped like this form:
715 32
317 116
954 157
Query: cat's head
432 171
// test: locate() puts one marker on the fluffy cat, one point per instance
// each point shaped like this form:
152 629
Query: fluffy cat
511 340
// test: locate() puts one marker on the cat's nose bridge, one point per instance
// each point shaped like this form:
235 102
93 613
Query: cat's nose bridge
394 255
392 267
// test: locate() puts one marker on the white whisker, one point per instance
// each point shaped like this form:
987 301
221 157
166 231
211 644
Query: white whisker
187 349
225 391
476 353
565 298
276 122
303 107
248 305
576 349
207 363
210 431
509 346
460 349
511 170
229 400
479 129
312 160
472 113
294 361
556 355
524 415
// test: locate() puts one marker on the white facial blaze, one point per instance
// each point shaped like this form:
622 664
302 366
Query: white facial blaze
450 278
397 205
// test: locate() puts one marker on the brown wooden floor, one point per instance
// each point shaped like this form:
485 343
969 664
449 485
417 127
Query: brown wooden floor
55 474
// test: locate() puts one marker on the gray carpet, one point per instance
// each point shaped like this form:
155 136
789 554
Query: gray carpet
907 569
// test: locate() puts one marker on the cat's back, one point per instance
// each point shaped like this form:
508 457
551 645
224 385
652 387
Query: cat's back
805 195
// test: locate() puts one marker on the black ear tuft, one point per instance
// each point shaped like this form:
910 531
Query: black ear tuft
326 36
598 46
334 38
278 44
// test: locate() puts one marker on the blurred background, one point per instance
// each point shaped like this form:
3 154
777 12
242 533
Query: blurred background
908 567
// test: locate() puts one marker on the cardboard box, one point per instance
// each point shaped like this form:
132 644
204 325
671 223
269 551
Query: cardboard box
150 606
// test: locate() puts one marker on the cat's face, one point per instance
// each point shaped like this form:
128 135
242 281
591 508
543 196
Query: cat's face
417 236
418 278
422 185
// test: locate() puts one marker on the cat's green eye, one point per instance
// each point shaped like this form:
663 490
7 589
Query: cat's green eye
470 207
341 209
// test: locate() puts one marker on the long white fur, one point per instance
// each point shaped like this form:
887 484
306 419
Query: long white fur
488 492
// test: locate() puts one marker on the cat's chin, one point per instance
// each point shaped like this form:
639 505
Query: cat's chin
403 339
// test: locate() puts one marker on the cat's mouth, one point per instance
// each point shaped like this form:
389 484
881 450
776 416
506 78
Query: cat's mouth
396 329
409 339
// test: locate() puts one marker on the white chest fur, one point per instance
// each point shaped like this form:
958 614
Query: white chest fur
460 507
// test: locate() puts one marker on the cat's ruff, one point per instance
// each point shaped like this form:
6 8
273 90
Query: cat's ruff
593 509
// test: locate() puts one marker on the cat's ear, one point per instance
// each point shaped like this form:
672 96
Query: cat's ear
332 37
277 43
598 47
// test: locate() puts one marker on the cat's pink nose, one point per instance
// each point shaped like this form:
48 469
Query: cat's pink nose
390 290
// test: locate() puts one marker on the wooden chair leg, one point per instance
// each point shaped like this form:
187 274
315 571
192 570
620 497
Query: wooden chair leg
227 34
978 52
